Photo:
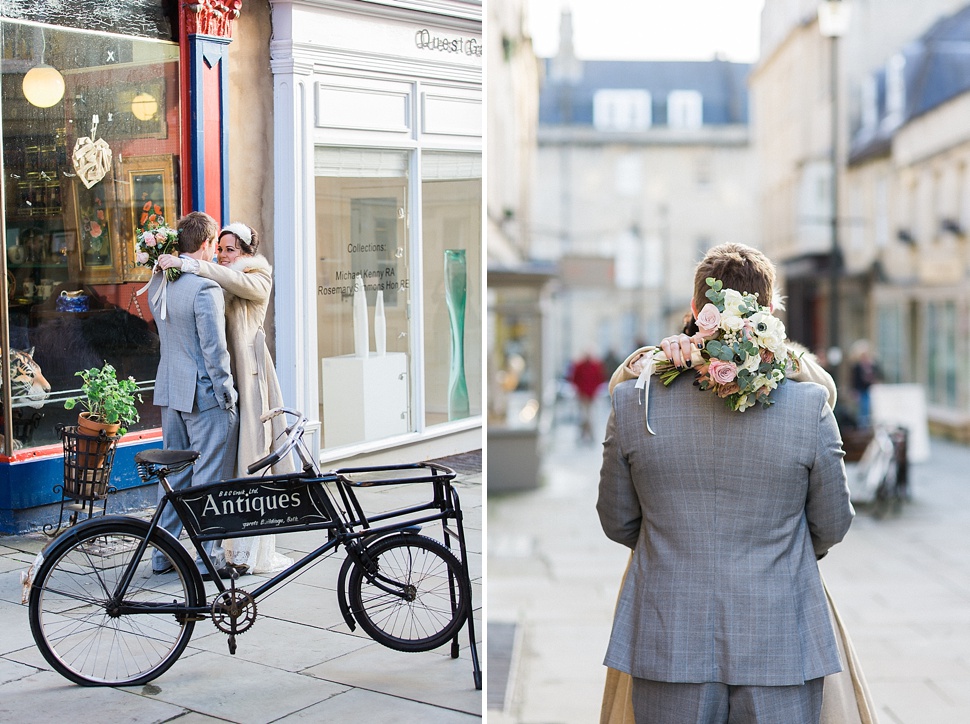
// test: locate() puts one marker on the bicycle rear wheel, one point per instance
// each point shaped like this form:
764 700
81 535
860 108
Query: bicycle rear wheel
414 595
75 617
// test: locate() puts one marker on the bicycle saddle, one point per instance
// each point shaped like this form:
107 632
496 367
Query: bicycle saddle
168 458
150 463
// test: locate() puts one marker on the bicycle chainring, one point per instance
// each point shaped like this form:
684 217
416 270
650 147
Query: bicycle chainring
233 611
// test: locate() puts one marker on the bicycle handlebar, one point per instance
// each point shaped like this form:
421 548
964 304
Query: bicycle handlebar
294 433
279 411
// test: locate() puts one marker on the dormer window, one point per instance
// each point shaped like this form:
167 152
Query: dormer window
895 91
685 109
622 110
869 102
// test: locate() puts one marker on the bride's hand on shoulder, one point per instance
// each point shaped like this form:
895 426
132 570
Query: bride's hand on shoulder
168 261
680 348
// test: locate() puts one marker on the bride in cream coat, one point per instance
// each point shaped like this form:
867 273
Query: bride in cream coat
247 280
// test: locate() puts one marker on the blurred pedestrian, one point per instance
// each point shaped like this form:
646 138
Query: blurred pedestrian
611 361
865 373
587 376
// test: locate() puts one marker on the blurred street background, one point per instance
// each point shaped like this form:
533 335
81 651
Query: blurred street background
625 140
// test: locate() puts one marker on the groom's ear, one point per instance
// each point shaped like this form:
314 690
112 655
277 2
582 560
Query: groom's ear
693 308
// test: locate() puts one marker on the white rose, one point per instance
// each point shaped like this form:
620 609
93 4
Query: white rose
731 322
752 363
732 303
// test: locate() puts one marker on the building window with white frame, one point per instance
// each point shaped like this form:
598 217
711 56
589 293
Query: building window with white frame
622 110
685 109
451 244
364 337
895 92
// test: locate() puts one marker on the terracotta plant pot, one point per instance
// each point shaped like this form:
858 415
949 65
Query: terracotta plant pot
91 453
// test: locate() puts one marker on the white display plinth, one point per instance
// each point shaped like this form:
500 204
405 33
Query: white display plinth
364 398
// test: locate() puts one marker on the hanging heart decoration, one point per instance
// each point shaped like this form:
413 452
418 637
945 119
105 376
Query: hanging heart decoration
91 158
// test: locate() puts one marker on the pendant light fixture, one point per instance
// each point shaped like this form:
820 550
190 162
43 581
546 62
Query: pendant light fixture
43 84
144 106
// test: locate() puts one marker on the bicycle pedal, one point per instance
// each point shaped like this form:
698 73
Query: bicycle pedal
232 645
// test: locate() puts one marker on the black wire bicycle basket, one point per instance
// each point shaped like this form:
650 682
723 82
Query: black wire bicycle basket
87 463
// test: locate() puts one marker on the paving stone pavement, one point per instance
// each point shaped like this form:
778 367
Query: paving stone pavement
299 662
901 583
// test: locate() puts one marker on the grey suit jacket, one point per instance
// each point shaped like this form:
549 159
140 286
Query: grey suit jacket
726 513
194 368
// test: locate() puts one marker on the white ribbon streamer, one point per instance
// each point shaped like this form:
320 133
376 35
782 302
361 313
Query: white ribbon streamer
643 383
160 294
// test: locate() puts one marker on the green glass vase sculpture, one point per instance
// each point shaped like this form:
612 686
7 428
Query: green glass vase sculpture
456 288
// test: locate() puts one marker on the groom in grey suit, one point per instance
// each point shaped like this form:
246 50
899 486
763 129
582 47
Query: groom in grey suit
722 617
194 386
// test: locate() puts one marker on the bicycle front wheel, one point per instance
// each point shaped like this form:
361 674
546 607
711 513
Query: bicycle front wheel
88 633
414 595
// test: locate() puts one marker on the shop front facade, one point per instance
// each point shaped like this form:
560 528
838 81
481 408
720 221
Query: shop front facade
152 122
378 196
96 150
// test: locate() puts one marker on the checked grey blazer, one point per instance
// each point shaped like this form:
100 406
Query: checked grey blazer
194 367
725 513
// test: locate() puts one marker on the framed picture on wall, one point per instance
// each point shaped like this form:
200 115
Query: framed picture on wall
62 244
98 253
149 183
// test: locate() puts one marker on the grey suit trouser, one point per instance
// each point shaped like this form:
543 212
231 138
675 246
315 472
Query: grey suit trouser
213 433
660 702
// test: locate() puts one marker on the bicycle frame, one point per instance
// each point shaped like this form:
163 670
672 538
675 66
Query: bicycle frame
237 508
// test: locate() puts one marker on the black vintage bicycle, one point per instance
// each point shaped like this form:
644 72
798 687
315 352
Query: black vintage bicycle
102 617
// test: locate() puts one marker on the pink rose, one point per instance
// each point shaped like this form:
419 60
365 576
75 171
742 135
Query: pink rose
708 321
141 257
723 372
149 240
159 237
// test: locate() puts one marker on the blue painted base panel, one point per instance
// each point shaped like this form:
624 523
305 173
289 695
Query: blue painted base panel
28 500
46 516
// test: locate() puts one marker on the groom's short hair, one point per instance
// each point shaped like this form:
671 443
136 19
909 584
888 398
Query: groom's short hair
738 267
194 229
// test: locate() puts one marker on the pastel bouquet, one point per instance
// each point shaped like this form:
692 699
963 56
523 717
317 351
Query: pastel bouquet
152 243
745 354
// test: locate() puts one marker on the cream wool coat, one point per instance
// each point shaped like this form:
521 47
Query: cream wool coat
247 285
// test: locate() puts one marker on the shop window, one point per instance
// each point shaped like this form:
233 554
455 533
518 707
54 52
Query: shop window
891 348
80 168
141 18
361 222
451 223
941 363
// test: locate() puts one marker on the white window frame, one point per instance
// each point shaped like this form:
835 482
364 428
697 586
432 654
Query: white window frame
622 109
685 110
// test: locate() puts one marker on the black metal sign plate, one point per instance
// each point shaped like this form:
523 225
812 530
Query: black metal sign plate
253 505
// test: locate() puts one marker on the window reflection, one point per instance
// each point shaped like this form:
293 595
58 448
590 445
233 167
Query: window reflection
361 220
73 174
451 223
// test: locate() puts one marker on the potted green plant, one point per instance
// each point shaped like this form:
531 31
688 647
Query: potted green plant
109 402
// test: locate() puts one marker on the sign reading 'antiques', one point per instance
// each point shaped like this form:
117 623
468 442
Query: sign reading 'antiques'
252 506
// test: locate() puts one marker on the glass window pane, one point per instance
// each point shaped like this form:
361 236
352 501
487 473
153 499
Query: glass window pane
143 18
361 220
78 173
451 222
